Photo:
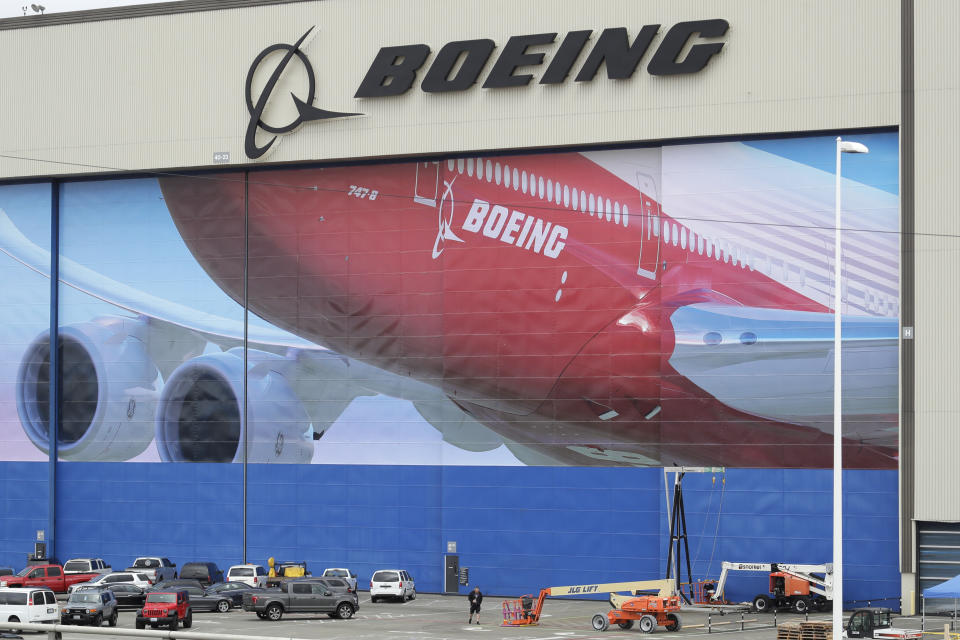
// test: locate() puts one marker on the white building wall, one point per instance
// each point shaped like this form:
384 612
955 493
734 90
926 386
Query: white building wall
168 91
937 244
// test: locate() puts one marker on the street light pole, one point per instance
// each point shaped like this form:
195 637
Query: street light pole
842 147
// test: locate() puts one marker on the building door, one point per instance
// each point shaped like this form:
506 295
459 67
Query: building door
938 559
451 582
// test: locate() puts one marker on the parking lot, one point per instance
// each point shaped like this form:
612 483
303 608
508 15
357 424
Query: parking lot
438 617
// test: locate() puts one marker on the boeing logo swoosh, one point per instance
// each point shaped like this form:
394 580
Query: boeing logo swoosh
306 112
444 232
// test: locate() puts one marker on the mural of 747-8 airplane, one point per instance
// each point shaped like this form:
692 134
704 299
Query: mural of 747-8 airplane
654 306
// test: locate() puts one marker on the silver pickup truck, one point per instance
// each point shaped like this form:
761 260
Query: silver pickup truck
86 565
313 595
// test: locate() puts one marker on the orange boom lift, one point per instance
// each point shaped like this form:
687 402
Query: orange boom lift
661 609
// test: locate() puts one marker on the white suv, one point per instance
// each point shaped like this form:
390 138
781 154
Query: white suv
392 583
252 574
28 604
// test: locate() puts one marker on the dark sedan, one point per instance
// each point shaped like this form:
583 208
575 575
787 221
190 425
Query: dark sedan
201 600
129 596
233 590
174 585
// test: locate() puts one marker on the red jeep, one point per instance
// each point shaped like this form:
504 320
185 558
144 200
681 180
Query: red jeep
166 608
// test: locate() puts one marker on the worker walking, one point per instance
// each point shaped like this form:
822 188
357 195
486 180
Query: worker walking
475 598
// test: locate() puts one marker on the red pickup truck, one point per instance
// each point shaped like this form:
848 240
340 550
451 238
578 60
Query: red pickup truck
46 575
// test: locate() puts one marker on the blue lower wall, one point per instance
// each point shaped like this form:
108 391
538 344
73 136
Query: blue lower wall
517 528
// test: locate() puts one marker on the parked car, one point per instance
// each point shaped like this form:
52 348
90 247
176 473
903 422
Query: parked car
86 565
337 584
253 574
90 606
203 600
392 583
120 577
206 573
50 576
173 585
29 604
166 608
302 596
346 574
234 590
158 569
128 595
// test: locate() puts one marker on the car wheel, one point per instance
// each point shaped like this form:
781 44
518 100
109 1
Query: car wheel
647 624
374 599
113 619
223 606
97 620
188 621
344 611
274 612
413 596
14 619
174 624
599 622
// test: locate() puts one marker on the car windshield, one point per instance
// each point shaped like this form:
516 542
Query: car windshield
335 573
162 597
241 572
386 576
85 597
24 572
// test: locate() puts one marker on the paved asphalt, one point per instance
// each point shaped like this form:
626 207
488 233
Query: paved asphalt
438 617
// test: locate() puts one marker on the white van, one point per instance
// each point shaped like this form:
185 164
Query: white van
392 583
29 604
252 574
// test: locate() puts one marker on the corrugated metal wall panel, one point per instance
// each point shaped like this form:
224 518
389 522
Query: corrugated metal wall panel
937 245
168 90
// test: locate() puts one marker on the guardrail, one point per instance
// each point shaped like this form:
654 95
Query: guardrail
54 632
871 602
737 625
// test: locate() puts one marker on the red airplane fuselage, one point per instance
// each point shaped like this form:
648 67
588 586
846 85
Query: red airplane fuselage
535 291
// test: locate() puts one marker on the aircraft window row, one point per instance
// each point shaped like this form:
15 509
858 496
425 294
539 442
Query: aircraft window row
721 251
543 188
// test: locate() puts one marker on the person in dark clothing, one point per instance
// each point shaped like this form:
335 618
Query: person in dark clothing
475 598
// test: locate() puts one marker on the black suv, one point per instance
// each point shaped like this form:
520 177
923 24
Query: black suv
206 573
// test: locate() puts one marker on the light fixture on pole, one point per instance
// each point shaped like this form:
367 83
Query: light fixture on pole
843 146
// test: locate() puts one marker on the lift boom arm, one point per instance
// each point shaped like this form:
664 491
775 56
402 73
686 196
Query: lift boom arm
822 586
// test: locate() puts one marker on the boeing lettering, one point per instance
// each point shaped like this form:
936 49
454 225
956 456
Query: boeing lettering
534 233
394 69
